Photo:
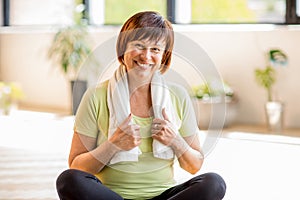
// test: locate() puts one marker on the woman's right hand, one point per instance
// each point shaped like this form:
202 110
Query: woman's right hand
127 136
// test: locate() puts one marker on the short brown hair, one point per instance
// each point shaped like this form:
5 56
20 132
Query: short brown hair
151 26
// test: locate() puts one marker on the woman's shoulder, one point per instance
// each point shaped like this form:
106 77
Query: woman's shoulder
98 89
96 94
102 86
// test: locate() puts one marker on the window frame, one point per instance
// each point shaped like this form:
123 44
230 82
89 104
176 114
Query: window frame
5 11
291 16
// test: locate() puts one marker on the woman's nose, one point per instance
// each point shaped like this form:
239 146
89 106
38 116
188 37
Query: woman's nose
146 54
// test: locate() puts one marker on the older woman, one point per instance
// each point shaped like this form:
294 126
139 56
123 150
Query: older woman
129 129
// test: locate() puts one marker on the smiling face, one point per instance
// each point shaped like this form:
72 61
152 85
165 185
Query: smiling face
143 57
151 29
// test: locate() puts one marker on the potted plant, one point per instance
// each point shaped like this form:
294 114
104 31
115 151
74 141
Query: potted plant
205 92
266 78
10 94
207 96
70 48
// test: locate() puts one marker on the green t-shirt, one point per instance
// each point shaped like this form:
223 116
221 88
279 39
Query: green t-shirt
149 176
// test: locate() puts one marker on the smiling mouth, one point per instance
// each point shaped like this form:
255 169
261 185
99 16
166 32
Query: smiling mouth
144 66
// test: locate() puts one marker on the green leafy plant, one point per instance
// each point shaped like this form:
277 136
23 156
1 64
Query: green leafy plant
267 77
205 91
70 47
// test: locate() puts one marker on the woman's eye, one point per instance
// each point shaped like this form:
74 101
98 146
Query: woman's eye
156 49
139 46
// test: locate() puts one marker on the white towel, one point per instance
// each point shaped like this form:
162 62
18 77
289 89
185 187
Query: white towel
118 101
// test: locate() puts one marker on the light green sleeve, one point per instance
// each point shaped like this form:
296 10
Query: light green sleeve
185 110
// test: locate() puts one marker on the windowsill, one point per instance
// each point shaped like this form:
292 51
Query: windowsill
177 27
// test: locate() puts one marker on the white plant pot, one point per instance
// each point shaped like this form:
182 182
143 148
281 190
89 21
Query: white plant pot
274 114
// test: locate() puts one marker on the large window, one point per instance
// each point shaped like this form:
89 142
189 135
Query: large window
207 11
117 13
37 12
238 11
111 12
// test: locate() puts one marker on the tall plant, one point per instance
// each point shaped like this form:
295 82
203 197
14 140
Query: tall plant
70 47
267 77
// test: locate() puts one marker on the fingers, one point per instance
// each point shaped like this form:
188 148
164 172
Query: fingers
162 133
127 135
155 128
127 125
128 119
164 113
162 130
159 124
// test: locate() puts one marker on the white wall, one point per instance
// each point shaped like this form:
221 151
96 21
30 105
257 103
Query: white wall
236 53
24 59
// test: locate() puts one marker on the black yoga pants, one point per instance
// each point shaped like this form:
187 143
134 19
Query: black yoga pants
78 185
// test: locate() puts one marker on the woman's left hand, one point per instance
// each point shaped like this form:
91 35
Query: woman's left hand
186 149
163 130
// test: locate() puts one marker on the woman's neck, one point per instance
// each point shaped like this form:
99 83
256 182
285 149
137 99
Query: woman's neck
140 101
140 86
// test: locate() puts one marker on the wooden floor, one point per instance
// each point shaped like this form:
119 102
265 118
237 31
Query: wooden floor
26 174
34 149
